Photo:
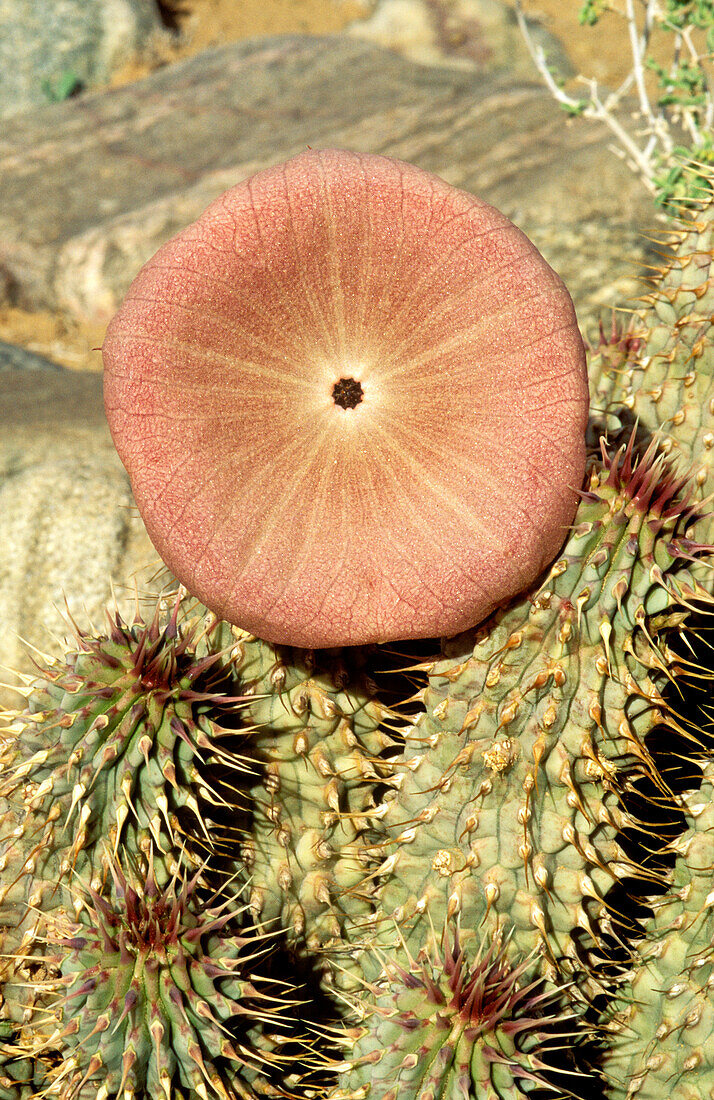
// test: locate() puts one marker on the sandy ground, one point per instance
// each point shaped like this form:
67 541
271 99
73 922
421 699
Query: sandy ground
209 22
601 52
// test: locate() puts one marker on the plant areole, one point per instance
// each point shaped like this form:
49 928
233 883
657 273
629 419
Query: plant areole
351 400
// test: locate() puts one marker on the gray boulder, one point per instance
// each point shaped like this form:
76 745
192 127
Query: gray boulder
481 35
71 537
113 175
15 358
51 48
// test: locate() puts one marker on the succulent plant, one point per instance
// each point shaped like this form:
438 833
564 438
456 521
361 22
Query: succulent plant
162 996
517 768
109 756
663 377
110 751
495 882
449 1024
661 1023
316 740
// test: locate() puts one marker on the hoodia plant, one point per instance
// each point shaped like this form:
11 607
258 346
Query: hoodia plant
352 403
351 400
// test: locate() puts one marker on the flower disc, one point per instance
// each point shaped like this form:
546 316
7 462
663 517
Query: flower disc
351 400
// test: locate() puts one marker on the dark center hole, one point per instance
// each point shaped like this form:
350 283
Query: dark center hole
347 393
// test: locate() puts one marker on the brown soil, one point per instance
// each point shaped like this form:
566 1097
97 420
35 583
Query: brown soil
601 52
200 24
59 338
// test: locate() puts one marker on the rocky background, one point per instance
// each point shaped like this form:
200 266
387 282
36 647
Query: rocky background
120 120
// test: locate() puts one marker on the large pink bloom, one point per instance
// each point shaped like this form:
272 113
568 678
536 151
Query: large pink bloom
351 400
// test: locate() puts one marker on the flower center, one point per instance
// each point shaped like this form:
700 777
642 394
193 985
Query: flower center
347 393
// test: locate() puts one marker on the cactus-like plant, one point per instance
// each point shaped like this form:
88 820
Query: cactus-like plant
160 996
450 1022
466 882
664 377
315 740
660 1025
513 810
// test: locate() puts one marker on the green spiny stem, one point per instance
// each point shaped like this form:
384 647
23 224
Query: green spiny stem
509 805
661 1024
459 1023
110 755
315 737
162 990
112 747
660 372
21 1075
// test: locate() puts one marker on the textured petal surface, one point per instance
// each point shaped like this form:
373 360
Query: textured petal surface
444 491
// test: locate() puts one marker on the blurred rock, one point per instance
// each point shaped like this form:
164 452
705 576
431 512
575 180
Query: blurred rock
480 34
49 49
14 358
113 175
70 530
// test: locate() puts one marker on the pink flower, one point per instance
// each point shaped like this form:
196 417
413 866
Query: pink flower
351 400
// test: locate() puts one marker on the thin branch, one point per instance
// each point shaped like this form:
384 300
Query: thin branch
696 59
638 46
593 108
650 146
640 158
538 55
614 98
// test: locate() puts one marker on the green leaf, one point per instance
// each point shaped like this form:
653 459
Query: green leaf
575 109
61 87
591 11
680 180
